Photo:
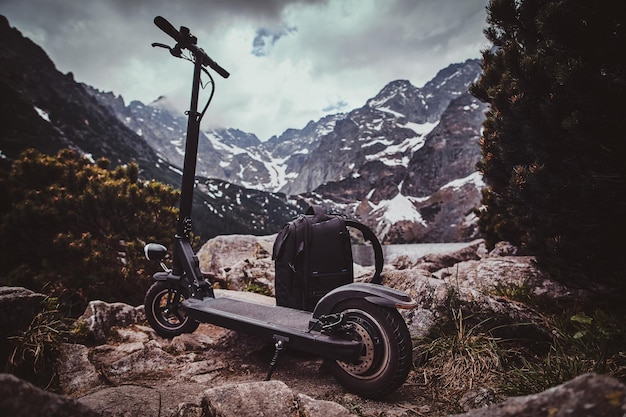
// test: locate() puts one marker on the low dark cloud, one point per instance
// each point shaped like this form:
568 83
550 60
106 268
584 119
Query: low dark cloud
336 107
266 38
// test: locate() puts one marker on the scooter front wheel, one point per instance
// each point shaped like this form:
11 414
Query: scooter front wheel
164 311
386 355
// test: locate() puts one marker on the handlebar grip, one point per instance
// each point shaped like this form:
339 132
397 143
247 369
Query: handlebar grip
215 66
167 27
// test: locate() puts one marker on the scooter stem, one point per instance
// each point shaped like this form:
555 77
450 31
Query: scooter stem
184 260
191 153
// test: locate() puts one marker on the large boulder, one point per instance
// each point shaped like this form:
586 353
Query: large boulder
76 372
99 317
437 261
268 398
130 360
126 400
18 307
19 398
474 284
271 398
238 262
588 395
447 299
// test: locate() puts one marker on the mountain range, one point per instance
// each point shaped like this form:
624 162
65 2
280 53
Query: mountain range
403 163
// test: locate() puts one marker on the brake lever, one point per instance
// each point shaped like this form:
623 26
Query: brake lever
175 51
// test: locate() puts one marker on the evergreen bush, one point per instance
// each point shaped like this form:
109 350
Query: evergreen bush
553 147
75 230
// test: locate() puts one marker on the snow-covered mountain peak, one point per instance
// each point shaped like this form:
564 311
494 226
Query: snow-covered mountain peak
396 89
164 103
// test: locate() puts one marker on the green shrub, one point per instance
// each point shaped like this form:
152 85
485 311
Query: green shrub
582 343
75 230
463 354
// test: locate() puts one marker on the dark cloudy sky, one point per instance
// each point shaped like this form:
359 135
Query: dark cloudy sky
291 61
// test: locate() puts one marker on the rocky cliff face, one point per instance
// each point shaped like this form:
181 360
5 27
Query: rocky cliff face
424 192
390 128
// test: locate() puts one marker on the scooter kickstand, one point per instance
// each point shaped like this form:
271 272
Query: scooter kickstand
279 346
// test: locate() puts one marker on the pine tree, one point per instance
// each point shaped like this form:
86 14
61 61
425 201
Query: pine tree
74 229
553 147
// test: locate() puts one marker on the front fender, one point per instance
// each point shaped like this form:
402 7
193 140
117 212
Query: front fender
166 276
373 293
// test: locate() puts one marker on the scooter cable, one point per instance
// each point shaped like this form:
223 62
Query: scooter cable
206 106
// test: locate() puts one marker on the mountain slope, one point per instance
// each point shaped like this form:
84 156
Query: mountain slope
45 109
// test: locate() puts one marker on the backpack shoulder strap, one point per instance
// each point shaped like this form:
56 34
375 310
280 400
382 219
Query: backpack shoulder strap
281 239
369 236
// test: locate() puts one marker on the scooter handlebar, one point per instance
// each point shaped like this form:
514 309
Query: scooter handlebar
163 24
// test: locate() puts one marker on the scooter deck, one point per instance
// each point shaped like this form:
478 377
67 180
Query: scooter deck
269 322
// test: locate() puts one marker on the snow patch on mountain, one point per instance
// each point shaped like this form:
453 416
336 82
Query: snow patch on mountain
397 209
43 114
219 144
388 110
475 178
420 128
400 154
277 169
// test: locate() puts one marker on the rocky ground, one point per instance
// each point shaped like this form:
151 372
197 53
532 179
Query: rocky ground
125 369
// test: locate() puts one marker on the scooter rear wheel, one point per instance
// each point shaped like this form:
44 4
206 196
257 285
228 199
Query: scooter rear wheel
386 357
164 312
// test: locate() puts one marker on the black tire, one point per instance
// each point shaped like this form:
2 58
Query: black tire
386 358
164 312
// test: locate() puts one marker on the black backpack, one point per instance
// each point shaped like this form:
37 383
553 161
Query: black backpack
313 255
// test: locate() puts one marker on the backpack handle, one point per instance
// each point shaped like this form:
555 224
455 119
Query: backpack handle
318 213
369 236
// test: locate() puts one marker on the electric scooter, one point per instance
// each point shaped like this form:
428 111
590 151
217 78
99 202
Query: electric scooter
355 327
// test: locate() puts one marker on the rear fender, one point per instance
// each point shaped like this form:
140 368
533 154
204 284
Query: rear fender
373 293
